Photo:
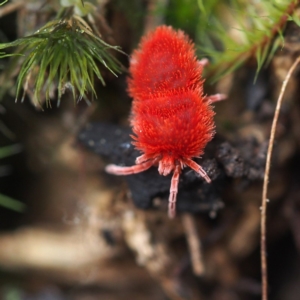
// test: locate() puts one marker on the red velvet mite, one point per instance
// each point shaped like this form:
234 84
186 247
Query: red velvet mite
171 118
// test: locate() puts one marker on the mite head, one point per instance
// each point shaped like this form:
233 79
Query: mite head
166 165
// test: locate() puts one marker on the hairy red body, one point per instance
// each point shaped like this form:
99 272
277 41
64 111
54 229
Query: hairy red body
165 61
172 120
177 125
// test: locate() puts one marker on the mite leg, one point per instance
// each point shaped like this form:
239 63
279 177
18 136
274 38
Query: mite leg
198 169
216 98
174 191
203 62
143 158
118 170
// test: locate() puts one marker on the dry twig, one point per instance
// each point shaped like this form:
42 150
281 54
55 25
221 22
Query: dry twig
263 251
194 244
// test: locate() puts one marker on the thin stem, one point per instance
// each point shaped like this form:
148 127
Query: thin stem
194 244
9 8
263 250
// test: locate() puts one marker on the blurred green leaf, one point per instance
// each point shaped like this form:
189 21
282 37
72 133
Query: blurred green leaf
6 201
11 203
11 293
9 150
3 2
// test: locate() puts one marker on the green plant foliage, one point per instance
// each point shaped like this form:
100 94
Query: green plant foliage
81 8
63 53
231 32
11 203
135 12
11 292
182 15
6 201
9 150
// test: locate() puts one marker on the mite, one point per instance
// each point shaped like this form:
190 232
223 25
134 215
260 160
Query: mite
171 118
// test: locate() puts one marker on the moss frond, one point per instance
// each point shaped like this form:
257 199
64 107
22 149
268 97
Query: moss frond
241 30
64 53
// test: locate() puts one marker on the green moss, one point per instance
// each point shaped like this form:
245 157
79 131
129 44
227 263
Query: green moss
231 32
64 53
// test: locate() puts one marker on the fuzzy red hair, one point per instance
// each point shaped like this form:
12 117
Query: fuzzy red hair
176 124
171 119
165 61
